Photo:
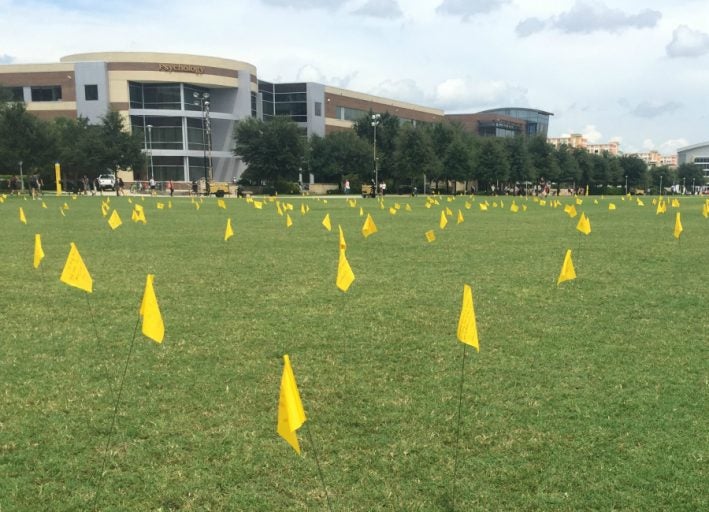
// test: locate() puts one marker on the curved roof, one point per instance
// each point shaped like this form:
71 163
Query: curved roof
693 146
176 58
517 108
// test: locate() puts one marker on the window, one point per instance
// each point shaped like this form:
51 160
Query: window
155 96
91 92
318 109
47 93
350 114
17 94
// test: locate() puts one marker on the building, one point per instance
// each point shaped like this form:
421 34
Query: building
653 158
576 140
697 154
504 122
185 107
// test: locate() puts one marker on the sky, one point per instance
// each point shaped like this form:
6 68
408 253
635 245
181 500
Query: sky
630 71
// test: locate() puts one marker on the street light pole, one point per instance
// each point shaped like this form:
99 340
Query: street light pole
626 185
150 150
22 179
376 118
203 102
661 185
684 188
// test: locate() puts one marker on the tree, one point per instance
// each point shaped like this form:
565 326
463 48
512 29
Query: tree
569 171
458 160
635 170
544 160
413 154
273 150
521 168
340 154
493 167
387 131
691 174
25 138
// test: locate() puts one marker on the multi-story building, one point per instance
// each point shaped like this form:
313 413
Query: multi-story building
697 154
185 107
653 158
576 140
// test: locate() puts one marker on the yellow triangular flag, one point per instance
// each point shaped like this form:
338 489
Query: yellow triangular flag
584 224
369 227
23 219
567 269
104 208
228 232
291 415
343 244
571 210
115 220
302 209
678 227
460 217
392 210
66 206
38 252
467 326
430 235
444 220
514 208
326 222
407 207
278 208
705 211
221 204
75 272
153 326
161 206
361 211
345 276
448 210
44 205
258 205
611 206
483 207
62 212
289 221
639 202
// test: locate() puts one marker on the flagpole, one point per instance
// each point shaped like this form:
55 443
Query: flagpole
115 414
98 342
460 420
317 463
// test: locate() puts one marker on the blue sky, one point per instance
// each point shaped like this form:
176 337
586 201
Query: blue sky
631 71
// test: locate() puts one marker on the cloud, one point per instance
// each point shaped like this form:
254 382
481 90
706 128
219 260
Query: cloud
468 93
468 8
587 17
310 73
404 90
650 109
305 4
687 43
591 134
672 145
380 9
6 59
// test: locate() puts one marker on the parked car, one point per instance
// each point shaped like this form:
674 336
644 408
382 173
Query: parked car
106 181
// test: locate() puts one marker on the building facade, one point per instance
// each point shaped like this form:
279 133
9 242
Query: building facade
185 107
697 154
655 159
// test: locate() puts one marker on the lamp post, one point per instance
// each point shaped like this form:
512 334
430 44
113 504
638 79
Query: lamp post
22 179
202 99
626 184
692 186
376 119
684 188
660 185
150 149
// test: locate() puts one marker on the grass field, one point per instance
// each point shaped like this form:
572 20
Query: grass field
591 395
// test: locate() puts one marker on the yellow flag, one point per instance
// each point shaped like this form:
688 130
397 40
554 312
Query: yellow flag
467 327
278 208
104 208
66 206
407 207
611 206
153 326
221 204
361 211
169 204
258 205
345 276
161 206
23 219
343 244
444 220
392 210
430 235
567 269
114 220
460 217
514 208
44 205
571 210
579 202
448 211
705 211
468 205
62 212
75 272
289 221
584 224
483 207
678 227
196 206
326 222
675 203
228 232
302 209
369 227
291 415
38 252
639 202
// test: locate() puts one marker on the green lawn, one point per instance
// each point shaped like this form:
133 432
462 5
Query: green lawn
591 395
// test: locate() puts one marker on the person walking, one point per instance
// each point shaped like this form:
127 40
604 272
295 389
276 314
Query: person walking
171 187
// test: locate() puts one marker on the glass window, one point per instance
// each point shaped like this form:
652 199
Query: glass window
155 96
91 92
254 97
136 95
196 134
168 168
292 109
198 168
17 94
164 132
47 93
350 114
285 88
318 109
192 102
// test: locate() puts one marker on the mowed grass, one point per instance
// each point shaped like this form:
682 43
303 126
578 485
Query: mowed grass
591 395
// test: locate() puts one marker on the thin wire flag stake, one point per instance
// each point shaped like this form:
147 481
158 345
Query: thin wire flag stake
317 463
468 335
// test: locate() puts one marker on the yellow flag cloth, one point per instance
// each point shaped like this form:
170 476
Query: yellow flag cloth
289 221
134 216
302 209
571 210
361 211
460 217
345 276
228 232
23 219
514 208
567 269
65 206
468 205
278 208
675 203
678 227
153 326
369 228
38 252
448 211
221 204
62 212
161 206
169 204
579 202
483 207
326 222
639 202
407 207
114 220
104 208
705 211
584 225
444 220
611 206
430 235
291 415
44 205
467 326
75 272
197 206
343 244
524 207
258 205
392 210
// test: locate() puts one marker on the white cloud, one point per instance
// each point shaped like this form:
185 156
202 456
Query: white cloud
688 43
310 73
672 145
468 8
305 4
380 9
458 94
587 17
648 144
6 59
404 90
591 134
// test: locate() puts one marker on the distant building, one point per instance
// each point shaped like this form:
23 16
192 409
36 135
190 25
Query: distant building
504 122
576 140
655 159
698 155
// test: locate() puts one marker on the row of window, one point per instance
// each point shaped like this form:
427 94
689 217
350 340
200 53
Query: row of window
50 93
172 96
167 132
